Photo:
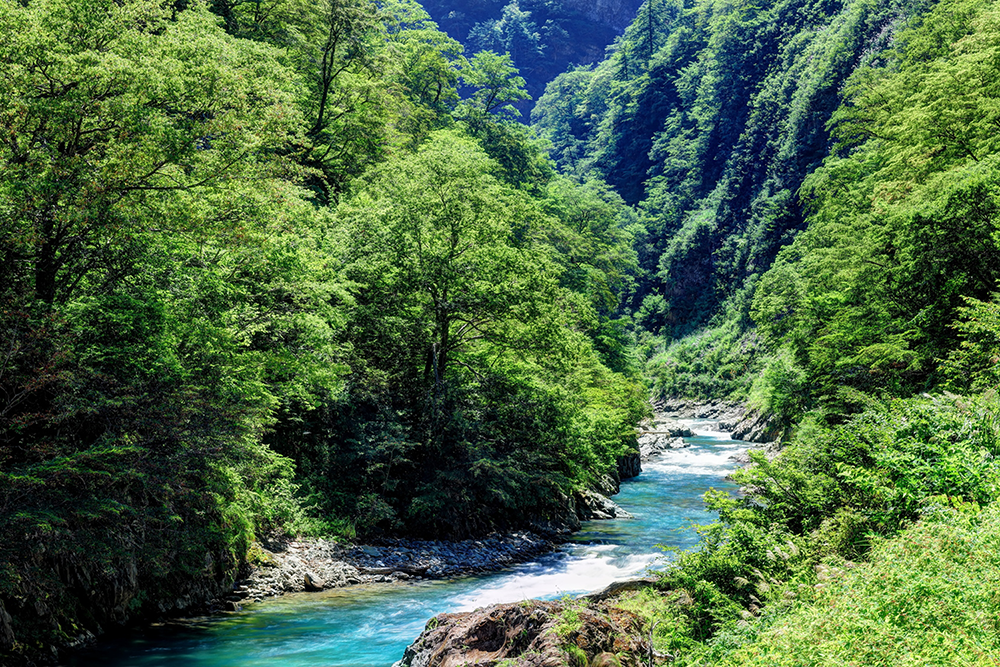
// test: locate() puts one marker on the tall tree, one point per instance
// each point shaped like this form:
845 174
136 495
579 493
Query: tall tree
444 248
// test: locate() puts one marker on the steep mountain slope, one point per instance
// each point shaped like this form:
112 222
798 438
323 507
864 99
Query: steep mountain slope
709 115
544 37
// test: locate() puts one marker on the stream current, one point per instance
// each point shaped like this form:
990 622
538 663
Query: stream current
370 626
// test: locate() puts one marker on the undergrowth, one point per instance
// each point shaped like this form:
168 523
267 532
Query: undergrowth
873 542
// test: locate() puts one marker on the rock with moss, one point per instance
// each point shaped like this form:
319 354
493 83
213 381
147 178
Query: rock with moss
530 634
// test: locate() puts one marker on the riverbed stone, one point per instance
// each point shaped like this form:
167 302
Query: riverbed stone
312 582
591 505
652 444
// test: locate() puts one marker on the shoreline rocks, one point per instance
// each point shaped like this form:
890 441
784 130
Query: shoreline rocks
318 564
529 634
591 506
314 564
739 421
659 434
726 413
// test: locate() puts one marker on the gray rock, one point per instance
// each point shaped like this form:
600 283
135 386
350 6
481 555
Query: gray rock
665 425
653 443
630 465
755 427
6 630
619 587
607 485
617 14
591 505
312 582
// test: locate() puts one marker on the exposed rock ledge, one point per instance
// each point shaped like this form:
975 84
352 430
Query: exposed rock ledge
740 422
530 634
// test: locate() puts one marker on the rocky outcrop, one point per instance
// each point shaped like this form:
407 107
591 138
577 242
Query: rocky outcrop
629 466
726 413
289 567
659 434
528 634
756 427
652 443
616 588
591 506
6 631
661 424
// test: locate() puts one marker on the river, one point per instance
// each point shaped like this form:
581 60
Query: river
370 626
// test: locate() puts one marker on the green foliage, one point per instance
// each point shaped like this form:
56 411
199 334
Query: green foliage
884 464
865 538
543 37
496 82
474 402
709 117
202 350
718 361
974 363
781 390
926 597
902 233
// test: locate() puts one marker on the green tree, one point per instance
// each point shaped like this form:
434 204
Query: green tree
118 117
497 83
437 236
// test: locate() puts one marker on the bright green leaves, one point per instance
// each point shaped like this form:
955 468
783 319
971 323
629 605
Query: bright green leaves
941 110
497 83
120 119
903 227
429 66
975 363
452 245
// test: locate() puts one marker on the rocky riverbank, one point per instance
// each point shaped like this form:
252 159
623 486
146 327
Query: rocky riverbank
317 564
736 419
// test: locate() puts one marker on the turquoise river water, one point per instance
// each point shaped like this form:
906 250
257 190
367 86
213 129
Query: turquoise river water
370 626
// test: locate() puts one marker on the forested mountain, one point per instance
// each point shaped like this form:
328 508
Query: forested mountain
733 128
543 37
710 115
819 190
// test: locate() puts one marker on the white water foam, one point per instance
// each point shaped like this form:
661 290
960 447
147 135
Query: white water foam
705 427
571 575
694 461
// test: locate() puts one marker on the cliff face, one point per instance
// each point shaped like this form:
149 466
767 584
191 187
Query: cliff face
544 37
615 14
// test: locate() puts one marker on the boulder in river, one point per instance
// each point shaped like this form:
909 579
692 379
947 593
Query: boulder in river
313 582
527 634
653 443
